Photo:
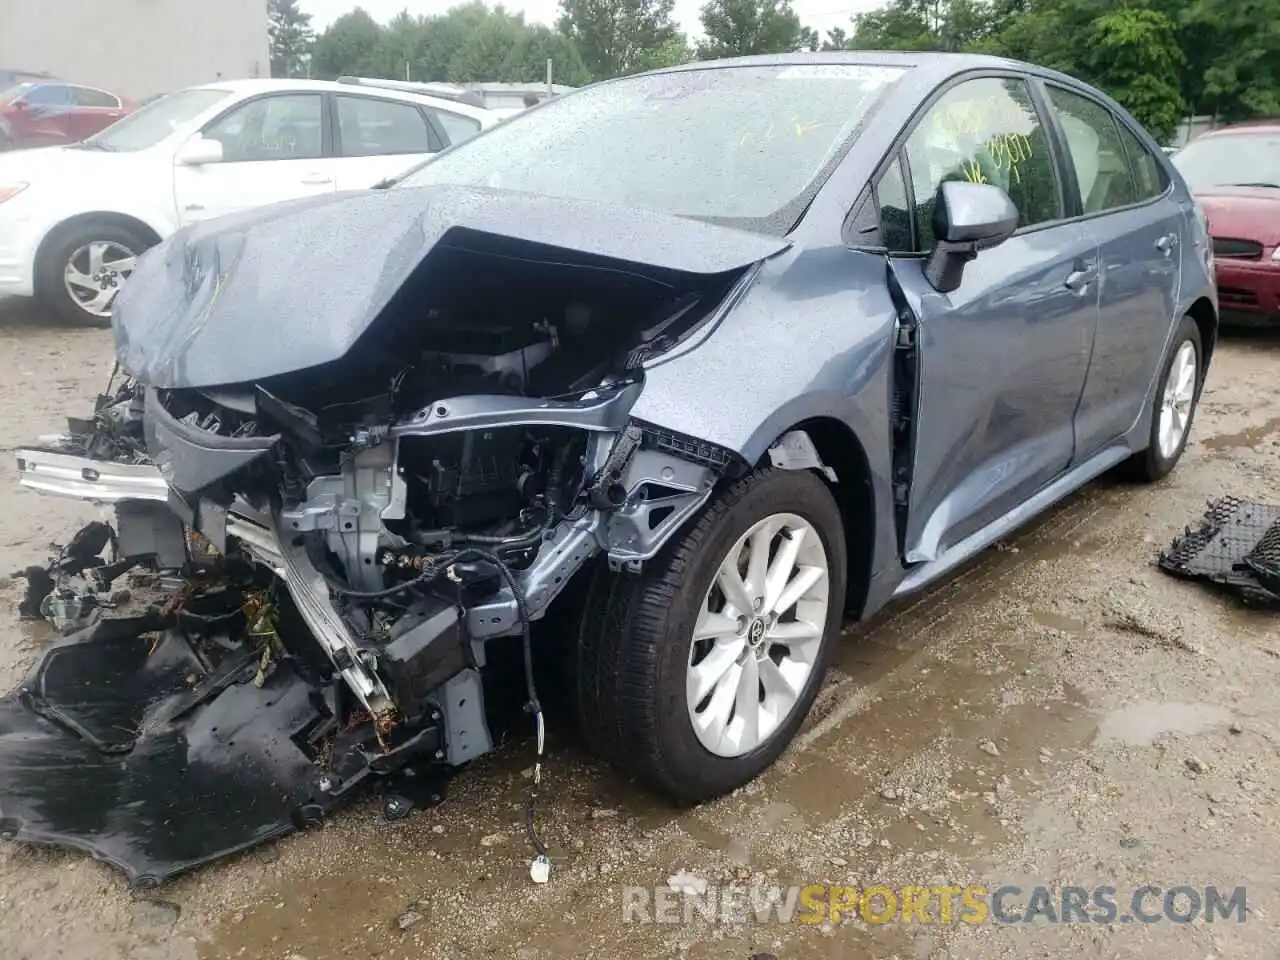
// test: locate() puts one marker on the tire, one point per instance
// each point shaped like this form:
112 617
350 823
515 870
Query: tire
1154 463
51 286
636 641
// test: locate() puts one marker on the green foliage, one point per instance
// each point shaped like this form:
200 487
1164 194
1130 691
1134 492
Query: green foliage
616 37
470 42
738 28
291 36
1134 55
1162 59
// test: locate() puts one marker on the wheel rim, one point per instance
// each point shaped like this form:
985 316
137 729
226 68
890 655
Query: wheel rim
95 273
1179 394
758 635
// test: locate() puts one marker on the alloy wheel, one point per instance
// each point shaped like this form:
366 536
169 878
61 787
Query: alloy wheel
95 273
1175 405
758 635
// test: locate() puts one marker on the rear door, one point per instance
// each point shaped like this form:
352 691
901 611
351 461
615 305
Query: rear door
378 138
1130 210
274 147
1003 358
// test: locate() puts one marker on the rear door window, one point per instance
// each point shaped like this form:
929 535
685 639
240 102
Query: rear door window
89 97
456 127
1103 174
369 127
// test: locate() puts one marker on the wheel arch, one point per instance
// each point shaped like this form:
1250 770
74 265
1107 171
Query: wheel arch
1203 312
841 453
67 226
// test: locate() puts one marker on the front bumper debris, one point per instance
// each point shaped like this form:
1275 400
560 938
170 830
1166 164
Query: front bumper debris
1236 546
130 742
46 469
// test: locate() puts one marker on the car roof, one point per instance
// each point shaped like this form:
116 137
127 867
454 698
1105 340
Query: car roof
943 64
250 87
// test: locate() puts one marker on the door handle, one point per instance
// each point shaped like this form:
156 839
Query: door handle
1079 279
316 179
1166 243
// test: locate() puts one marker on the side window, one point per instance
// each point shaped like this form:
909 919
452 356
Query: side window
89 97
49 95
1148 173
1097 154
283 127
456 127
895 210
984 131
370 128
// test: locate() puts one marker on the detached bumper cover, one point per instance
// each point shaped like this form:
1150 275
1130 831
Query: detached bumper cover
125 744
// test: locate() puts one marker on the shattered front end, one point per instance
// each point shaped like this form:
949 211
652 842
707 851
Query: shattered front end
342 542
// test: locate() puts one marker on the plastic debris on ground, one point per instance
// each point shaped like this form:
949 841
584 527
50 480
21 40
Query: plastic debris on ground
1236 546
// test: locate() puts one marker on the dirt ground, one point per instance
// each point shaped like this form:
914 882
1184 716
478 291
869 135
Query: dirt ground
1061 713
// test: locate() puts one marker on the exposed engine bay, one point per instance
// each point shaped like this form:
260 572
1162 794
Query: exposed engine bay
369 527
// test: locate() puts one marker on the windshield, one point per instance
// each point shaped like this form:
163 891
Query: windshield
148 125
1231 160
745 145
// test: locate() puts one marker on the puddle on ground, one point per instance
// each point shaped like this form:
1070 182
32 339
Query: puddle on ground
1056 621
1248 437
1139 724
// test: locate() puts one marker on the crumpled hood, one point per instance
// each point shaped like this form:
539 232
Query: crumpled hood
294 285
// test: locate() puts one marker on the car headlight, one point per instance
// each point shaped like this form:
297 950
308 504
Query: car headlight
10 190
1275 254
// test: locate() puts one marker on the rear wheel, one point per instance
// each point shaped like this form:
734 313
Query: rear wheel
695 675
85 267
1173 406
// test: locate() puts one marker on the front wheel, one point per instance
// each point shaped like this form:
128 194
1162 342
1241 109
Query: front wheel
84 269
695 675
1173 406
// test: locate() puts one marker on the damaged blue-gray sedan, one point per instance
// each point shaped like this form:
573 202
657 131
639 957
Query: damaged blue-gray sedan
700 362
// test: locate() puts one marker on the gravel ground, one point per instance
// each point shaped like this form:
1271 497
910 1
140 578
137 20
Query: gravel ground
1060 713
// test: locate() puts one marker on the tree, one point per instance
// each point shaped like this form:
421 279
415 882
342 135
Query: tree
837 39
1134 56
616 37
289 30
352 46
740 27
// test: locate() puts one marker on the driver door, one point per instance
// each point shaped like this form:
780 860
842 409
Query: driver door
1002 359
273 148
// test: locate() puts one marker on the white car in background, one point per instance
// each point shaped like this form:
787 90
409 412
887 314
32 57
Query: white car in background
74 219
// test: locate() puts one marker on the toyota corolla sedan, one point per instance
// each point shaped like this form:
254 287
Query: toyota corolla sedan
741 349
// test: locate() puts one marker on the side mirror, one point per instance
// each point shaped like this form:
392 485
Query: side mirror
198 151
967 217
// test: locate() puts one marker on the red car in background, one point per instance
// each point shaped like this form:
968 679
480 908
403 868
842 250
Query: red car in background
1234 173
47 112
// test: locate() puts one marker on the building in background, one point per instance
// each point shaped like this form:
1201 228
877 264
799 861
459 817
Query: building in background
136 48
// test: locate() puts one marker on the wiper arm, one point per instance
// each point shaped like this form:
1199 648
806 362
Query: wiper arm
385 183
1269 186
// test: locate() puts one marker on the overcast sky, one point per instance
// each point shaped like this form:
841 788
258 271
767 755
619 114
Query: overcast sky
819 14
